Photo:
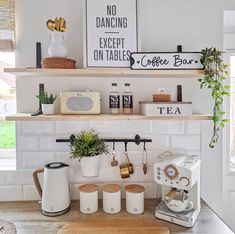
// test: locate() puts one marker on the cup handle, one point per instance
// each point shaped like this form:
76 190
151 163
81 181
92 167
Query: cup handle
189 206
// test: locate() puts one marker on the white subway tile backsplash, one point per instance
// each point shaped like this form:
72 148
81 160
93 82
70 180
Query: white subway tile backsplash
18 128
145 177
134 156
48 143
113 174
74 191
189 142
38 127
36 146
64 157
137 127
11 193
159 142
28 143
149 190
107 128
168 127
2 178
71 127
30 193
193 127
37 159
19 177
157 190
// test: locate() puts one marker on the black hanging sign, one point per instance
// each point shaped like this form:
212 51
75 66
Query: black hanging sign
166 61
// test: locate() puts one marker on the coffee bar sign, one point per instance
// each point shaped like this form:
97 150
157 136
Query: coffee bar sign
111 32
166 61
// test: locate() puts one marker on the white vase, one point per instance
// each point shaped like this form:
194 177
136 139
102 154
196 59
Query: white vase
48 109
57 47
90 166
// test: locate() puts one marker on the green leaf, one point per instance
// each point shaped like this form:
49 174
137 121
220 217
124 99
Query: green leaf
215 73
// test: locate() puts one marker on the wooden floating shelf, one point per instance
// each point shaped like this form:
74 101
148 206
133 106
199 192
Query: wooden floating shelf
28 117
106 72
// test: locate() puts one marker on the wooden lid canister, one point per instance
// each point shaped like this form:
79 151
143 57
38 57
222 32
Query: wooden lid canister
88 188
134 188
111 188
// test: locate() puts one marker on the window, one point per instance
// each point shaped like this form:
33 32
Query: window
7 106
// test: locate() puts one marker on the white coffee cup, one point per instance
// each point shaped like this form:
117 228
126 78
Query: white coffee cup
179 205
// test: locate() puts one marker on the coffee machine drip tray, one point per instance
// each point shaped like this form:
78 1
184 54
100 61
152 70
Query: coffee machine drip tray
163 212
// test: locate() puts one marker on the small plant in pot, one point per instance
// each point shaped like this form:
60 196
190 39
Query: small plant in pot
88 147
47 102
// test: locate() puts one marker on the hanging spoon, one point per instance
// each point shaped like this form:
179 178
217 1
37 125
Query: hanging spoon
145 159
130 165
114 162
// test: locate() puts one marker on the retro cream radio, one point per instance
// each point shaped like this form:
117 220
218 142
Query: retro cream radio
80 102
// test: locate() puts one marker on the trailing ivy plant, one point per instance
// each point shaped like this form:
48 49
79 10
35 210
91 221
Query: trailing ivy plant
215 72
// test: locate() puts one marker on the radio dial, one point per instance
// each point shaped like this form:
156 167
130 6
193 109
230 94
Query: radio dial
184 181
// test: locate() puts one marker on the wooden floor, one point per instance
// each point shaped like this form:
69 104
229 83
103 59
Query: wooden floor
28 219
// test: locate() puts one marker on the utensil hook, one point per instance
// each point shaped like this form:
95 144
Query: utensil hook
144 145
144 154
113 144
125 142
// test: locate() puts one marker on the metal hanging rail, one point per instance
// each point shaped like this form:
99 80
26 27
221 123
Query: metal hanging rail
137 140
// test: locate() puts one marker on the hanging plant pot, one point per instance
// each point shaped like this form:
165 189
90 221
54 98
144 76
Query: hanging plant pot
90 166
215 72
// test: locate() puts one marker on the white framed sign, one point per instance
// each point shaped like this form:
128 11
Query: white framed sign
166 61
111 32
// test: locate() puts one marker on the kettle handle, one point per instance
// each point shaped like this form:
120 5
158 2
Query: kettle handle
36 180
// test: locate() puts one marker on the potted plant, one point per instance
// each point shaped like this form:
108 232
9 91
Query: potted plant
215 72
47 102
87 147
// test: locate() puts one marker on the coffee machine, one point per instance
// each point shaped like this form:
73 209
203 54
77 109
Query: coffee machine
179 176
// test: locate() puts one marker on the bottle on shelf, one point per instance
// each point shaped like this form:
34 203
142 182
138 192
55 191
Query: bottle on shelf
114 100
127 100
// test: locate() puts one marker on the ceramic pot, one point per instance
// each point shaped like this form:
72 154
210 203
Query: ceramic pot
57 47
90 166
48 109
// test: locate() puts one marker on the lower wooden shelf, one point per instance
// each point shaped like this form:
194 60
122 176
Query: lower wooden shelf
28 117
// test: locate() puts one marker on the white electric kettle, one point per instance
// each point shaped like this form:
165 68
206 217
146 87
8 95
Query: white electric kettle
55 194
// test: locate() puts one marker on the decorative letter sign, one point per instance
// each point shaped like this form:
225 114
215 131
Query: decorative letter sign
167 108
111 32
166 61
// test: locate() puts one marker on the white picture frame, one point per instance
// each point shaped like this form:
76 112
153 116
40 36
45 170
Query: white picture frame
124 39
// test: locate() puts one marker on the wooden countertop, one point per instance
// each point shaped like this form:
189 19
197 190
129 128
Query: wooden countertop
28 219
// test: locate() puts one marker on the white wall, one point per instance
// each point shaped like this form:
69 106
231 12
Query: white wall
163 25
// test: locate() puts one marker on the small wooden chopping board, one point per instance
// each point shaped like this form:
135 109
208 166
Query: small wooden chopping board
113 225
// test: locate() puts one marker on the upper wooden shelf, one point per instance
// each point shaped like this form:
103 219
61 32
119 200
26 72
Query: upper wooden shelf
105 72
28 117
